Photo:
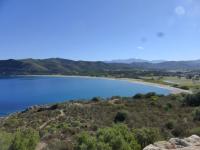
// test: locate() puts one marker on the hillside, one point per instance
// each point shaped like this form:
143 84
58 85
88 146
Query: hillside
172 65
70 67
143 119
54 66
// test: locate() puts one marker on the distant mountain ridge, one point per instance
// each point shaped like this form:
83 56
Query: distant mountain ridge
71 67
134 60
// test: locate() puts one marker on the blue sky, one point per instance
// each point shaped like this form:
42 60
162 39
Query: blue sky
100 29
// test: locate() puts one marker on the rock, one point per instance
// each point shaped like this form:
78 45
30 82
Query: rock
179 143
190 143
193 140
164 145
151 147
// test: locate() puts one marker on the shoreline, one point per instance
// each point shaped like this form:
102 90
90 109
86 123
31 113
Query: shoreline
173 90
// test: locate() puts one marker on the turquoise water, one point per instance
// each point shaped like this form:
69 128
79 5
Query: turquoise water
17 93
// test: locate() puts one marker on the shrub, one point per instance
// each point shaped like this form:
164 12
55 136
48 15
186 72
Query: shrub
150 94
184 87
192 100
5 140
146 136
138 96
54 107
57 144
196 114
85 142
120 116
117 137
12 122
25 139
180 130
168 106
178 97
170 125
96 99
175 85
177 132
115 97
195 131
154 98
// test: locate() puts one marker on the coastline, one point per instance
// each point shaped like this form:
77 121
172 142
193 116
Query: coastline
172 90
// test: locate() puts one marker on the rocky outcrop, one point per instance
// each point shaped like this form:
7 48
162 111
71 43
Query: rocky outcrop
190 143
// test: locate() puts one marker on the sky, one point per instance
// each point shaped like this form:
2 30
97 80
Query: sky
100 29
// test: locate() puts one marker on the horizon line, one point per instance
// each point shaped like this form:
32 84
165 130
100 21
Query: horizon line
120 59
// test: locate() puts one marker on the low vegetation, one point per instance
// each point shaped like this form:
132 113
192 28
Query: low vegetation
117 123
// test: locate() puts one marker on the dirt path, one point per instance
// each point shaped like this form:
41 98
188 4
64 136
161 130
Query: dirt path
52 119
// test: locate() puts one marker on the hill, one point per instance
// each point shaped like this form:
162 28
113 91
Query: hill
171 65
131 123
54 66
70 67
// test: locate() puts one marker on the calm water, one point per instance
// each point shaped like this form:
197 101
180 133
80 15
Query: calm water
17 93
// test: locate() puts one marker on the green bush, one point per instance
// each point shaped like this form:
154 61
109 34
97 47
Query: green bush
120 116
96 99
5 140
196 114
146 136
154 98
117 137
12 122
170 125
184 87
192 100
195 131
25 140
86 142
150 94
168 106
57 144
180 130
138 96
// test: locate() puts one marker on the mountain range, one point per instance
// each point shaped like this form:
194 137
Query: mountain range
71 67
134 60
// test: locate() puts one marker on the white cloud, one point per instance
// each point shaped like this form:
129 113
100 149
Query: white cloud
180 10
140 47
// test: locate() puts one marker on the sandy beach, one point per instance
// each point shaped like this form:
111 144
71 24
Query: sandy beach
172 89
